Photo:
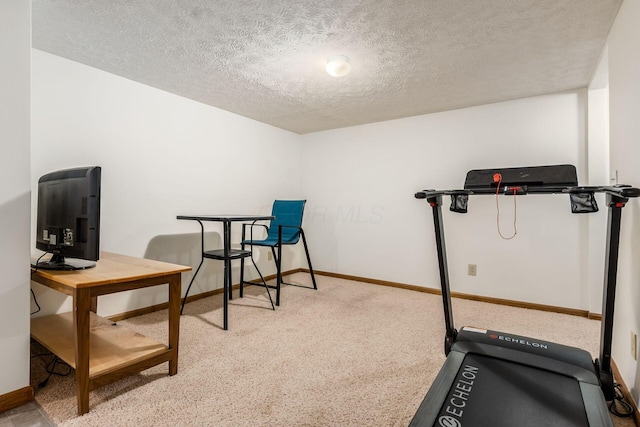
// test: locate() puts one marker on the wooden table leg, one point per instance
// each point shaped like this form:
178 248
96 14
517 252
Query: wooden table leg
81 322
174 320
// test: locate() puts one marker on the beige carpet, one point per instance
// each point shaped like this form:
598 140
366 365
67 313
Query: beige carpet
349 354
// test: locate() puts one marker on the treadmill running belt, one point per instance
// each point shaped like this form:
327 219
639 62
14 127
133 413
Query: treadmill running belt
490 392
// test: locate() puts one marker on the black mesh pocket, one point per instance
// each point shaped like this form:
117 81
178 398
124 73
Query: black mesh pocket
584 202
459 203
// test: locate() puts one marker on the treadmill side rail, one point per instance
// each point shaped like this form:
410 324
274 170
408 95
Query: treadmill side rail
430 407
597 411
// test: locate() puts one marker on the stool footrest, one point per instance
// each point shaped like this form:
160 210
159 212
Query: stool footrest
219 254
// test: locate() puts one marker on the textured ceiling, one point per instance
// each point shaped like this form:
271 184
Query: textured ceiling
264 59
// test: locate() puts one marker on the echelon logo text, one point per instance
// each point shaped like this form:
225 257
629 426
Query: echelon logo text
518 340
459 395
448 421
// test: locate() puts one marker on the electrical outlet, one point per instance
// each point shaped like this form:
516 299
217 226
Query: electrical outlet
269 256
471 270
634 345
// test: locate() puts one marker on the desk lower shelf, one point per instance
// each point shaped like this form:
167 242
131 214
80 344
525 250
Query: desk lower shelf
112 347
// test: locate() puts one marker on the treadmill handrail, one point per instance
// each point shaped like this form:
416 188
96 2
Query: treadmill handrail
625 191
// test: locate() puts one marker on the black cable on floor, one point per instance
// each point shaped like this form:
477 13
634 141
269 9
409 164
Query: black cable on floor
51 368
626 410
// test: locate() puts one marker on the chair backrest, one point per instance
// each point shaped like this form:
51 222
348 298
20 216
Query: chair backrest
287 212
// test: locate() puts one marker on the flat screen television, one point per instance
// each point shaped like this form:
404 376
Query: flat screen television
68 218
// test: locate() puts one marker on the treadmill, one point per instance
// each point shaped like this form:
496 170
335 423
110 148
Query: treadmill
497 379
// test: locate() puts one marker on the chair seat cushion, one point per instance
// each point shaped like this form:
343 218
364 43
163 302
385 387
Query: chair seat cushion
267 242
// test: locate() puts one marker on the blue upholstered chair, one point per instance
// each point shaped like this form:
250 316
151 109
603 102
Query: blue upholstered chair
285 229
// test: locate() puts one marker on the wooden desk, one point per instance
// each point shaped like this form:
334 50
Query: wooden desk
100 351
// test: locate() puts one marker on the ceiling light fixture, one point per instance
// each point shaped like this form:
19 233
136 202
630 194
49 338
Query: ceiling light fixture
338 66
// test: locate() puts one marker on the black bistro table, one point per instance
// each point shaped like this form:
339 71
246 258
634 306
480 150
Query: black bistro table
225 254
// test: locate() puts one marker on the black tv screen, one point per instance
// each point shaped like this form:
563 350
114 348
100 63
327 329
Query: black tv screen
68 218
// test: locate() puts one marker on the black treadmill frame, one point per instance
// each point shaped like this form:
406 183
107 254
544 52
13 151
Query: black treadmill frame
616 198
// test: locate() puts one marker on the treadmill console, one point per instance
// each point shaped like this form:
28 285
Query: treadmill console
534 176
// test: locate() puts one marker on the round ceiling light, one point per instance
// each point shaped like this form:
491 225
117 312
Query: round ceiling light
338 66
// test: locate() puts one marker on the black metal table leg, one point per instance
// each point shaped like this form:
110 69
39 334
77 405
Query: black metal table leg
227 272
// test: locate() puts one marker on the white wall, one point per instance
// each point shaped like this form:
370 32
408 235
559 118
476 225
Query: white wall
624 100
15 43
161 155
364 220
598 174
